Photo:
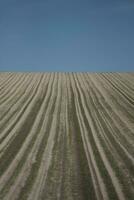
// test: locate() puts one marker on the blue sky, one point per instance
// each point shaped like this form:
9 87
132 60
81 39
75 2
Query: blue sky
66 35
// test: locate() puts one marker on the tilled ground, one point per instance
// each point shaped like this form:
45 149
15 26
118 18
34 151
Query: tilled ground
66 136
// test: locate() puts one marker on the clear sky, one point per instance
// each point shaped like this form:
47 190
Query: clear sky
66 35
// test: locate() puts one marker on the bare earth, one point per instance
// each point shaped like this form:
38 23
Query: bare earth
66 136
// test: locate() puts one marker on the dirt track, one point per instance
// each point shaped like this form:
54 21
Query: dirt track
67 136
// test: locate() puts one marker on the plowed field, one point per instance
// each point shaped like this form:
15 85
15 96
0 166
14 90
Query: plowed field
66 136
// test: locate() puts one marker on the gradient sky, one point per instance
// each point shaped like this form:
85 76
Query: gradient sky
66 35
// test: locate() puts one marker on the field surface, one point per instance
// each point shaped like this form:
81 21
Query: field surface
66 136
